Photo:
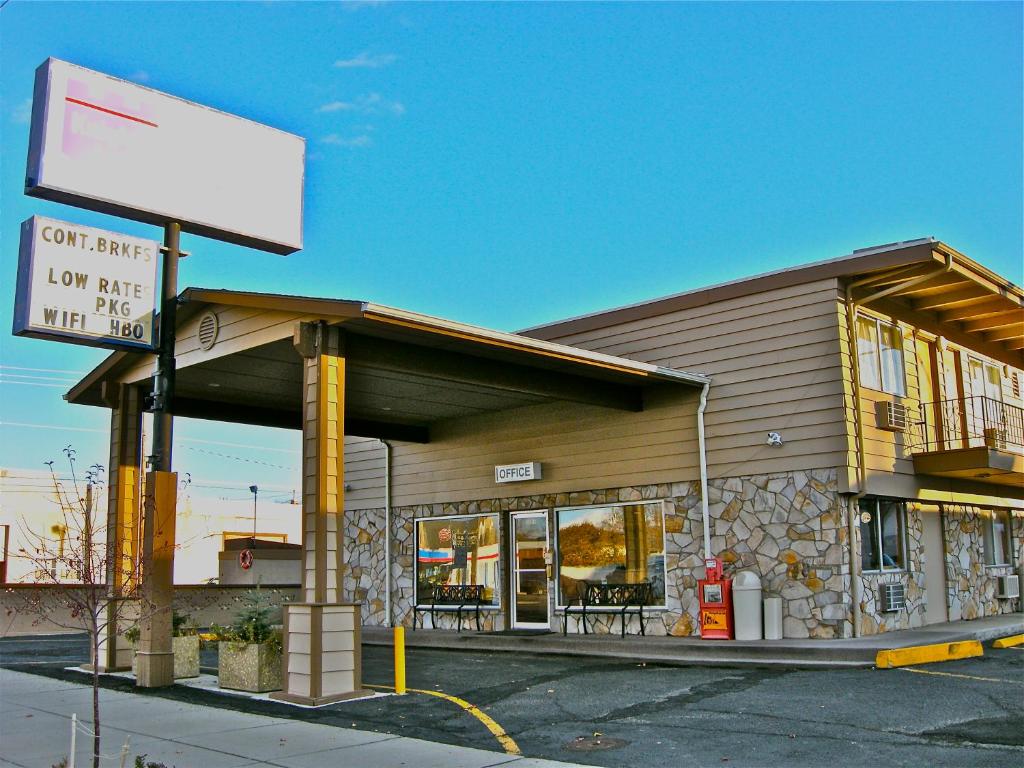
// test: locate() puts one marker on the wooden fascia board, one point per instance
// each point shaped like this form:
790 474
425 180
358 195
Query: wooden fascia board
328 308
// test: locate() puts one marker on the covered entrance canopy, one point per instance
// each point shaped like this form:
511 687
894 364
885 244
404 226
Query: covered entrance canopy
331 368
404 371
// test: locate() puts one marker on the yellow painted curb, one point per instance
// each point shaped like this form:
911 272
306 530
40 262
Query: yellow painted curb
1006 642
927 654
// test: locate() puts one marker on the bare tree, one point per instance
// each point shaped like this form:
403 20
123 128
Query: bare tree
78 547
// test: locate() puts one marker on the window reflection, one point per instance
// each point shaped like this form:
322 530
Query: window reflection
457 550
622 544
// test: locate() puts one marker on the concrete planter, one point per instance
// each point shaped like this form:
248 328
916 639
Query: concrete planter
248 667
186 656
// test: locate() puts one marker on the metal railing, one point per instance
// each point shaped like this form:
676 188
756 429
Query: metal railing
967 422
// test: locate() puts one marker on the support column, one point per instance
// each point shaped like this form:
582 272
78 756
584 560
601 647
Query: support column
322 651
156 589
123 520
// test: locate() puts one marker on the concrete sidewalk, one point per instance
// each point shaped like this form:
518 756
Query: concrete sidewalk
795 654
35 732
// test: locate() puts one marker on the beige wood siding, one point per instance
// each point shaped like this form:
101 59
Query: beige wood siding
774 358
580 448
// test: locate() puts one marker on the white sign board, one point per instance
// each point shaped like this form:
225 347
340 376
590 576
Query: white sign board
85 285
108 145
515 473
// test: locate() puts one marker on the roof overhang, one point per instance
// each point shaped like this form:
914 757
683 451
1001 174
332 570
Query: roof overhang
966 303
404 371
944 292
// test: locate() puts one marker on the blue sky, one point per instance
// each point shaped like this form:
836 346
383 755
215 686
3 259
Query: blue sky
511 164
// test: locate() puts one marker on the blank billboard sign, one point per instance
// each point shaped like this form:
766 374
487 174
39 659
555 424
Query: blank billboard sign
108 145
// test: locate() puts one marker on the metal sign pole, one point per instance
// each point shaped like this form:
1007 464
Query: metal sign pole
163 382
155 656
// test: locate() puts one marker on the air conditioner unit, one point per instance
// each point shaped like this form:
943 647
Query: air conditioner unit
1008 587
894 598
995 437
894 417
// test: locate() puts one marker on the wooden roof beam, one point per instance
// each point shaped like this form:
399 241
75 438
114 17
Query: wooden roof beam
993 321
971 295
992 306
1006 334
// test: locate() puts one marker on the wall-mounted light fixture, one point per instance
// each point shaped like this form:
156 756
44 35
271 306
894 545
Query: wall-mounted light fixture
775 439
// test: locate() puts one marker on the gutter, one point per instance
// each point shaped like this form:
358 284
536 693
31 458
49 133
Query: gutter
858 417
703 458
388 621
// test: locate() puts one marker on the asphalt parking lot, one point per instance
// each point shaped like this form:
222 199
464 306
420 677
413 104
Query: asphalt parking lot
602 712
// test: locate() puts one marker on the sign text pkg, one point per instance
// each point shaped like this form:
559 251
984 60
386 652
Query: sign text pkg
108 145
84 285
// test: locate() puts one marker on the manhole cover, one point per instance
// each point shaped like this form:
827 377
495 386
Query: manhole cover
594 743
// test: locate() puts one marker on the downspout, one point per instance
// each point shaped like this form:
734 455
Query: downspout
387 533
703 458
858 418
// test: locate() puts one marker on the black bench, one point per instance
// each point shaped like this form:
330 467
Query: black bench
451 597
616 599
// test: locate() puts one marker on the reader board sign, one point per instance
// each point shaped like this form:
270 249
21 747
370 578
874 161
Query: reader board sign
515 473
85 285
108 145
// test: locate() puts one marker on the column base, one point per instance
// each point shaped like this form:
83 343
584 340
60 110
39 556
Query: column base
317 701
322 653
156 669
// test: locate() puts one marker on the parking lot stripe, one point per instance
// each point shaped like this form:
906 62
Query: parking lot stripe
963 677
506 741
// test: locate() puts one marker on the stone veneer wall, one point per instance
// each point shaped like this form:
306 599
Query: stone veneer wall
872 620
788 527
363 579
970 583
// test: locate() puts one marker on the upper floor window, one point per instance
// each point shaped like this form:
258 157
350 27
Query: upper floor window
880 356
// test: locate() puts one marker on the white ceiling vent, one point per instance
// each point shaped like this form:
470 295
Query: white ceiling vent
209 327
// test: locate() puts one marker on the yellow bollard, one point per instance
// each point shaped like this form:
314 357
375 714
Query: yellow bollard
400 661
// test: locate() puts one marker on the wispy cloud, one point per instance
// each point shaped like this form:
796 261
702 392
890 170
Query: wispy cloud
22 113
142 76
366 60
337 140
370 104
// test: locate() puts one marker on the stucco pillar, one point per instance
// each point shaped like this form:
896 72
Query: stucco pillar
322 660
123 520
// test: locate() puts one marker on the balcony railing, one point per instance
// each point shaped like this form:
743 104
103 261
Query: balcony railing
968 422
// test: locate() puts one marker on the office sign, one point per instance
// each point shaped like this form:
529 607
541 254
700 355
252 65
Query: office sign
515 473
108 145
85 285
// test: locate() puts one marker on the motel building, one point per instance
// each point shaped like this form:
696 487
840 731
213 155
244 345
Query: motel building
624 447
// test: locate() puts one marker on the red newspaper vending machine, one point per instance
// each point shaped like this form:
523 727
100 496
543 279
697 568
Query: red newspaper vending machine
715 592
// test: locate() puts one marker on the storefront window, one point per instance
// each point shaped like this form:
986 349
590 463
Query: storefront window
457 550
620 544
881 534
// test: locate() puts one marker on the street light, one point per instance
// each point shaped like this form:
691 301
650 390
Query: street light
254 490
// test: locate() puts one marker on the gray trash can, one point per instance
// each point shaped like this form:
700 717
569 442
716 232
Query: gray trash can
746 605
